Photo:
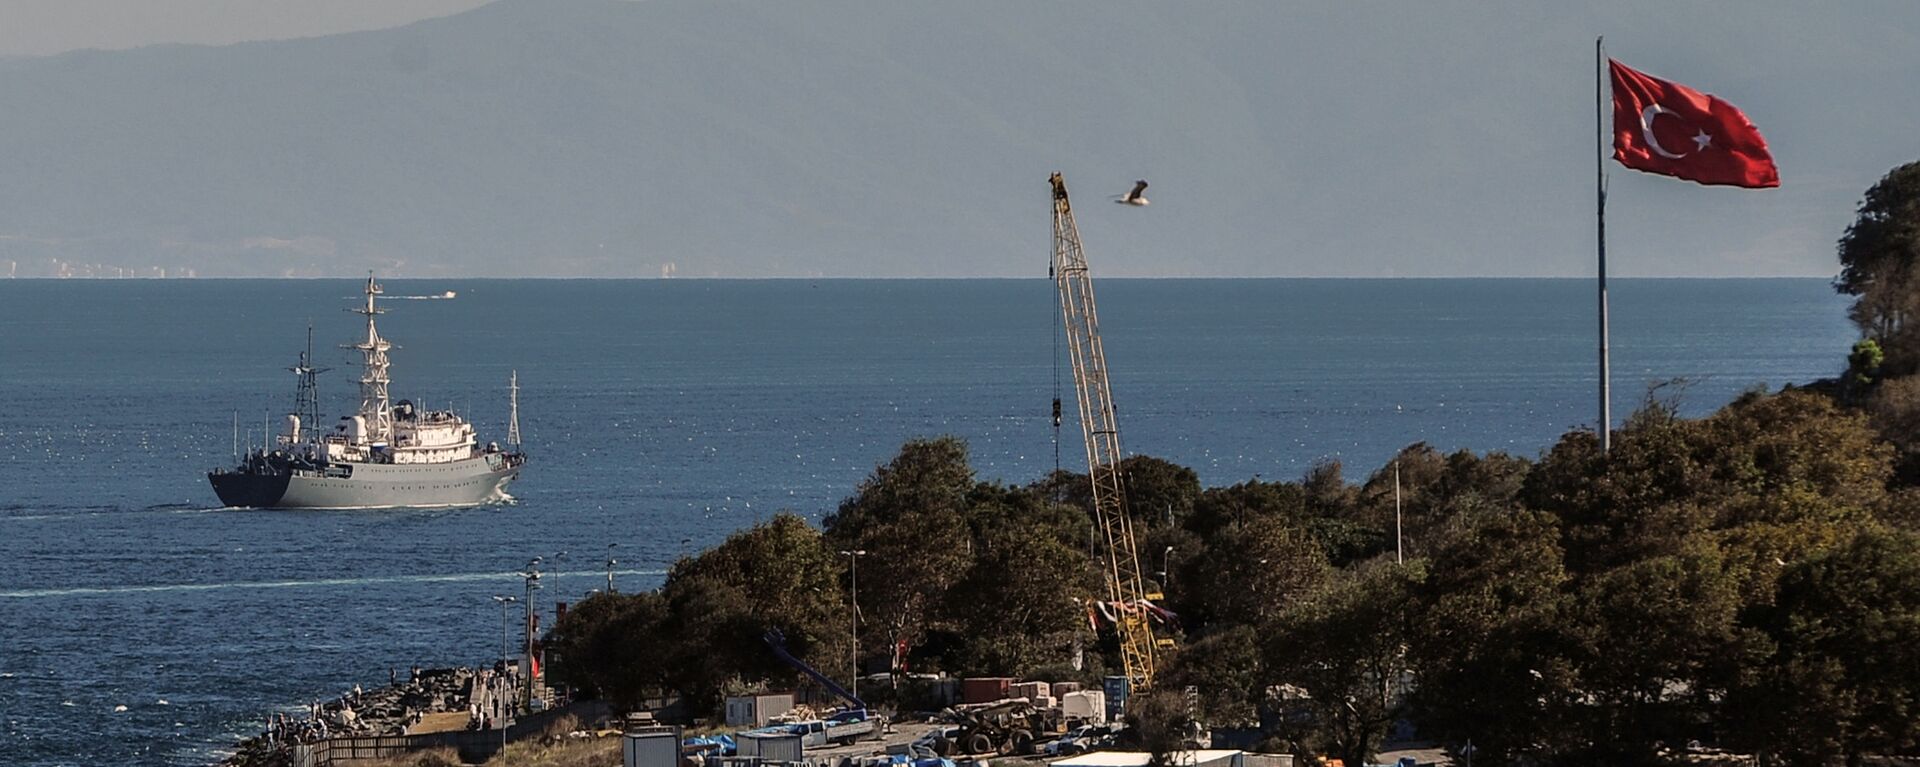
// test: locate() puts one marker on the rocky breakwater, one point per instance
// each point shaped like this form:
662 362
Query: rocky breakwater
389 710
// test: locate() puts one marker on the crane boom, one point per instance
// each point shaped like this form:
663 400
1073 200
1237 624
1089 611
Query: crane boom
1126 588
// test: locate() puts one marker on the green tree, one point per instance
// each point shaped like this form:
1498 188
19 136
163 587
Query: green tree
1020 603
1159 493
1161 723
1492 651
1863 363
776 575
609 645
911 517
1894 407
1345 645
1249 573
1877 260
1843 677
1226 669
1433 489
1655 642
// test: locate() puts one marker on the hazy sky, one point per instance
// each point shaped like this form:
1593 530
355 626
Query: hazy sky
41 27
1343 138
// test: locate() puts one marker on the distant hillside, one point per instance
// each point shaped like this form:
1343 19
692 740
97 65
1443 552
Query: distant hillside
864 138
597 137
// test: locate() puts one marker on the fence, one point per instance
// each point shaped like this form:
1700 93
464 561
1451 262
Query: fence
474 745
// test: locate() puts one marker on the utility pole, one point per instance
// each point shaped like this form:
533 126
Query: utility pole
1399 553
610 563
504 601
853 564
532 576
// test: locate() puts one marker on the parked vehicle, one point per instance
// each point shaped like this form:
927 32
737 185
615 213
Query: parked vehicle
1007 728
843 728
1080 740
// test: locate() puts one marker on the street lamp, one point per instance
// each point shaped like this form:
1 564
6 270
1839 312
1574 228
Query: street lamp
853 563
532 576
1399 553
1166 566
610 563
504 601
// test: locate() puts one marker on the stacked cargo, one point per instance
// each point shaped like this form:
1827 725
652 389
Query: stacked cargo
1032 692
985 689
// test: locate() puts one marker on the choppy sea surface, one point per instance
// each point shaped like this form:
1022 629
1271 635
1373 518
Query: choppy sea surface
662 415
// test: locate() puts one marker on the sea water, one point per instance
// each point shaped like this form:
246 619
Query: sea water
662 415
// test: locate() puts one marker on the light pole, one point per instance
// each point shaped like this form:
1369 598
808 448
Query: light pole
1166 567
532 576
853 564
504 601
1399 555
610 563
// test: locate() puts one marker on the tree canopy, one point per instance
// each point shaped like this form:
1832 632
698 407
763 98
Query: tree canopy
1750 578
1878 255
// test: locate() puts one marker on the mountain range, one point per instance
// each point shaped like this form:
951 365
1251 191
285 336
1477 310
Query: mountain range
592 138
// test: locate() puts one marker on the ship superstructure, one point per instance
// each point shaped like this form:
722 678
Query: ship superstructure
386 454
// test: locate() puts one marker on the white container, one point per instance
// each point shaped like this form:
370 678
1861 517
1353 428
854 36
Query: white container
1085 705
757 710
771 748
651 749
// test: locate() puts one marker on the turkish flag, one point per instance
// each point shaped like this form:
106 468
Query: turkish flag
1667 128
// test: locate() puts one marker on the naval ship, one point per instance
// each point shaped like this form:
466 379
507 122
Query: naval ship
387 454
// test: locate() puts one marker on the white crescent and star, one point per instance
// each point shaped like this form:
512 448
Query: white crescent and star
1701 139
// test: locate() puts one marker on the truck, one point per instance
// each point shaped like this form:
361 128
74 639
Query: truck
843 728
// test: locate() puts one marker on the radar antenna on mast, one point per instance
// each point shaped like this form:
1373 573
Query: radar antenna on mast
306 399
375 407
513 411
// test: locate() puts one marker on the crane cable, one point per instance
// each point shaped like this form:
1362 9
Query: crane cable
1056 373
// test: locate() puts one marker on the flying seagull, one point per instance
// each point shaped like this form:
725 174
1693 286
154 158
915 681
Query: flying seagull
1135 197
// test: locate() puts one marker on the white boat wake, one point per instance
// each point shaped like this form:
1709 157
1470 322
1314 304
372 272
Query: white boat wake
83 591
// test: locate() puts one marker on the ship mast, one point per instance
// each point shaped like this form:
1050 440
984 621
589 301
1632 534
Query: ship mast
374 406
513 412
306 400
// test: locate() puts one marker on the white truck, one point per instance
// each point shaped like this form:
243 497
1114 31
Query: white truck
840 729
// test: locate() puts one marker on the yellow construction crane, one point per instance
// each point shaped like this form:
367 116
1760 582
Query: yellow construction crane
1126 588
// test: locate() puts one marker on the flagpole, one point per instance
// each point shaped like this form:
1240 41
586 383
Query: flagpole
1605 427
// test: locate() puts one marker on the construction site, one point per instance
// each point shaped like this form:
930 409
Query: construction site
823 722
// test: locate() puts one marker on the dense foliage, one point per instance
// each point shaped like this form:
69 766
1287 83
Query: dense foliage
1750 579
1878 258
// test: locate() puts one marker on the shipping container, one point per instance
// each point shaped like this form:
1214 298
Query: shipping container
1032 691
757 710
1116 688
781 747
651 749
986 689
1086 706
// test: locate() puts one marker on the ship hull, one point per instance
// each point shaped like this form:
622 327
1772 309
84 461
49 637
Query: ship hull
466 482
